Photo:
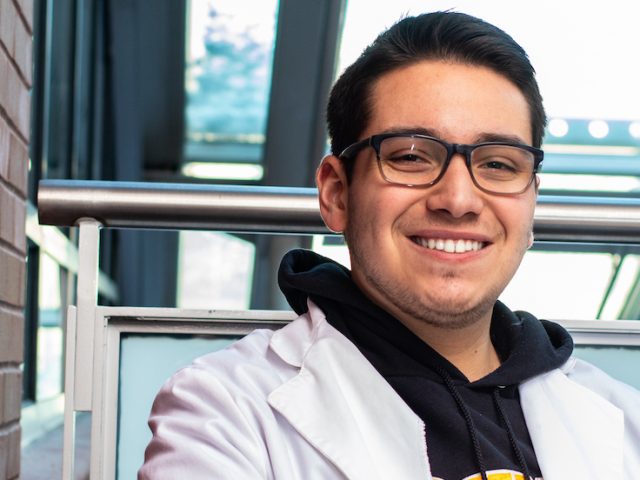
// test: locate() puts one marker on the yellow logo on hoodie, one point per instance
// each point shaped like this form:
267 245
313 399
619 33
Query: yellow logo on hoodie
496 475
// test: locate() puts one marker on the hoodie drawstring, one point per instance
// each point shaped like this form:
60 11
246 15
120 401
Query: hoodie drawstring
512 438
468 420
448 381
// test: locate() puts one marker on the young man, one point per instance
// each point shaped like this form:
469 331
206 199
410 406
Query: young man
407 366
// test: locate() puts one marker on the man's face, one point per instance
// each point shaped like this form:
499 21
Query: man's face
388 227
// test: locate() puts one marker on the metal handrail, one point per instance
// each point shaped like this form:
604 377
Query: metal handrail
291 210
180 206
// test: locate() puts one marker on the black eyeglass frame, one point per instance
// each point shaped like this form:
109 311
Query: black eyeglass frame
375 141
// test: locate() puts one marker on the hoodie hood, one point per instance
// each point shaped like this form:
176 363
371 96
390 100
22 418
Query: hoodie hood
305 274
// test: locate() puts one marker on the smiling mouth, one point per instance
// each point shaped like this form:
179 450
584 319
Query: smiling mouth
449 245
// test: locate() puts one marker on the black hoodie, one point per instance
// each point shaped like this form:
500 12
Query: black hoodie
470 427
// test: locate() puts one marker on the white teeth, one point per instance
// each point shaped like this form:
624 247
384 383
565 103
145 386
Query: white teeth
449 245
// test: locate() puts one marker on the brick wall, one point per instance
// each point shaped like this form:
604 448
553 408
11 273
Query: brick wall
15 84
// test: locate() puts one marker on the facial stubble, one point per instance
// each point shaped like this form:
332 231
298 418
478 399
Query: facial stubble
401 300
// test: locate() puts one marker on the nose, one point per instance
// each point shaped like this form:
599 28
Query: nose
455 193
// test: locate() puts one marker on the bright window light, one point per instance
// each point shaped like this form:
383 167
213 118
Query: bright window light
582 276
558 127
223 171
598 128
621 290
594 183
610 150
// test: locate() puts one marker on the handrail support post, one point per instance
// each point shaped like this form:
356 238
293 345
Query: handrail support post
87 301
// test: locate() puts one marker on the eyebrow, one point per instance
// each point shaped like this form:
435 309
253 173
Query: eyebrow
481 138
499 137
413 130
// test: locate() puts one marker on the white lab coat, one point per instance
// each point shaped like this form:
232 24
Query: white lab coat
302 403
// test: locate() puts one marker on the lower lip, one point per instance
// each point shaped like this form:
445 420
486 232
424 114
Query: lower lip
441 254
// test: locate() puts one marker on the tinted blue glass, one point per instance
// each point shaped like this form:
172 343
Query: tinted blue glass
228 77
618 361
146 362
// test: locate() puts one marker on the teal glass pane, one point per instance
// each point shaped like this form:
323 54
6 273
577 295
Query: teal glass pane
146 362
227 80
618 361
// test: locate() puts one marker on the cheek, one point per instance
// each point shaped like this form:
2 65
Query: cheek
519 235
369 217
517 217
380 205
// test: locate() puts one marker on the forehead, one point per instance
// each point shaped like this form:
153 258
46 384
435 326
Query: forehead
459 102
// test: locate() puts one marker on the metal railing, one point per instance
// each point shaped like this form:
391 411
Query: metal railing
291 210
181 206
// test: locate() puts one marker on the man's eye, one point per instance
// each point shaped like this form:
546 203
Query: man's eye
411 155
507 166
498 165
407 157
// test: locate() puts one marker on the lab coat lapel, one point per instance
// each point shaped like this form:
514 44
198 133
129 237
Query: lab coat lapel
575 432
344 408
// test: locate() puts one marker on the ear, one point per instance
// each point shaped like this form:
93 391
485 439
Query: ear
530 241
531 238
333 190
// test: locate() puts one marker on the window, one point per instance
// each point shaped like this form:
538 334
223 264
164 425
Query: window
228 76
214 270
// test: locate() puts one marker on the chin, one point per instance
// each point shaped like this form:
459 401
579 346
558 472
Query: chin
449 314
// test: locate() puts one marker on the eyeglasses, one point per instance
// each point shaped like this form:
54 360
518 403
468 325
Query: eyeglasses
415 160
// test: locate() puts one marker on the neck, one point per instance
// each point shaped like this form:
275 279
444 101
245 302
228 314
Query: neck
469 349
463 339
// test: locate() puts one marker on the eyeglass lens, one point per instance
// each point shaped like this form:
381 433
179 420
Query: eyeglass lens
420 161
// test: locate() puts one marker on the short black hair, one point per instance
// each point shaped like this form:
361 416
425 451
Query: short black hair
447 36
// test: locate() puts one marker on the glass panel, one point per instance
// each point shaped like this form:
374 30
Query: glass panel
215 270
50 334
619 362
146 362
228 76
548 284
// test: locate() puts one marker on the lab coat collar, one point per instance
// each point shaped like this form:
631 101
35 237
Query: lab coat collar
342 406
575 432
